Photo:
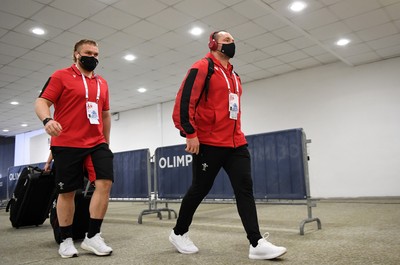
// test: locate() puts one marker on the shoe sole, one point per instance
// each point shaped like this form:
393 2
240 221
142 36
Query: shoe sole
88 248
66 257
180 250
268 256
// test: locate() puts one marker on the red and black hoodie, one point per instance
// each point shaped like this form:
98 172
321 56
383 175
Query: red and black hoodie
208 117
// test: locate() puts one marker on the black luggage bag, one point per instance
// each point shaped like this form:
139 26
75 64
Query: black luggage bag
32 197
80 224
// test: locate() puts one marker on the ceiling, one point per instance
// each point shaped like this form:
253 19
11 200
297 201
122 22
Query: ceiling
271 40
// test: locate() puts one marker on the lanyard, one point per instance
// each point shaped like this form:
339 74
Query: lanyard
87 90
227 81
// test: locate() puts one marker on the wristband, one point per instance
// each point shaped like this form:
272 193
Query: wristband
45 121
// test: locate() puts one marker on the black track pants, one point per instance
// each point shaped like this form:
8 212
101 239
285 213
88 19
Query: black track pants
206 165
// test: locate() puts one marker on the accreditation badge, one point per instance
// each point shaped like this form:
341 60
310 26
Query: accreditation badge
92 111
233 106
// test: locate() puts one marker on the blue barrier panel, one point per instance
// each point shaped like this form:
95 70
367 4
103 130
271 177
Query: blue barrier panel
174 175
131 171
3 187
278 165
7 152
13 176
222 188
173 171
277 168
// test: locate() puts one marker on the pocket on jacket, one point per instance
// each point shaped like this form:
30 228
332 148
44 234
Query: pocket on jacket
205 120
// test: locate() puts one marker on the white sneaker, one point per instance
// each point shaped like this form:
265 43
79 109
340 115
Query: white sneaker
265 250
67 249
183 243
96 245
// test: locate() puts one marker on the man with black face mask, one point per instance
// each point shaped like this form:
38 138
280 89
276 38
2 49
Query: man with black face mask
212 126
80 137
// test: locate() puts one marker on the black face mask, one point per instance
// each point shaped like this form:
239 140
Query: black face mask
89 63
228 49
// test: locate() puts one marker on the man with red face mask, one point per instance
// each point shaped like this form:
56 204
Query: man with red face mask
80 136
211 123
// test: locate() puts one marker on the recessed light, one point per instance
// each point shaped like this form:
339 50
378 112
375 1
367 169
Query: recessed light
298 6
38 31
196 31
14 102
343 42
6 130
24 125
129 57
142 90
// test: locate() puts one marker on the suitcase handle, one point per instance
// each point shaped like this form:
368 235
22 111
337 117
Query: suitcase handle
9 204
87 188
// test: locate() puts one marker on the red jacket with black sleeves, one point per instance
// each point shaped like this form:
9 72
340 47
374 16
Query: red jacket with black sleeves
210 120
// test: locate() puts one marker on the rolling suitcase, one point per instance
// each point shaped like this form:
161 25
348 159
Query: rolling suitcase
32 197
81 217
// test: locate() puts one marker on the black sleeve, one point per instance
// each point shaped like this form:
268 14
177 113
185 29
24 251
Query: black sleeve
44 87
185 101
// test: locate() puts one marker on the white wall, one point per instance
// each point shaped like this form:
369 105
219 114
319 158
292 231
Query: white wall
148 127
25 148
351 114
39 142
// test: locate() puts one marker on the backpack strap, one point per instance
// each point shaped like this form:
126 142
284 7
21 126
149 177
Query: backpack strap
210 71
208 77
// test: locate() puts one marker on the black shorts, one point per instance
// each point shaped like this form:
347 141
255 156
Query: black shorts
71 163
